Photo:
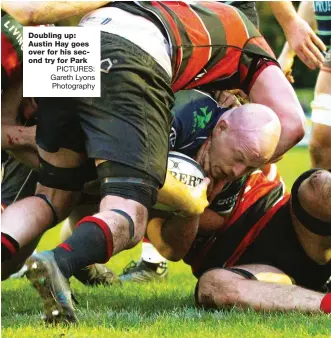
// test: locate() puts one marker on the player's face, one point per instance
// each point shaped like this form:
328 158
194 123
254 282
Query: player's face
231 159
315 195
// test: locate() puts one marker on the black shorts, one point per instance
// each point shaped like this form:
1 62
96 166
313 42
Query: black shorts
18 181
58 126
130 123
277 245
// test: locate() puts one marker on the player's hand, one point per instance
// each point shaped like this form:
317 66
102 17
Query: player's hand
202 156
286 63
306 44
203 159
226 99
199 198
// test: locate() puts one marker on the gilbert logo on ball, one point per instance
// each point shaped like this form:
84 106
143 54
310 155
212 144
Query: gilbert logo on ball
185 170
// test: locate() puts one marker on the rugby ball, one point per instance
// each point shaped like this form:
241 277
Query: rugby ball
185 170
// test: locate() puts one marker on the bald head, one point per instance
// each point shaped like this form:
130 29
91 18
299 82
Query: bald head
245 138
251 117
257 129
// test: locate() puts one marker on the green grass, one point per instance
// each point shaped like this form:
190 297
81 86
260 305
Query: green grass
154 310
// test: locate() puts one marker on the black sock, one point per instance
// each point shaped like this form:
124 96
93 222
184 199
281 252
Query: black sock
87 245
9 247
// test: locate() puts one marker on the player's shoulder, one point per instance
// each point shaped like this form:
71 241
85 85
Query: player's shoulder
195 113
188 100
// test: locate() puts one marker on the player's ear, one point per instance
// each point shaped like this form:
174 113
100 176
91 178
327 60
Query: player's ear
222 124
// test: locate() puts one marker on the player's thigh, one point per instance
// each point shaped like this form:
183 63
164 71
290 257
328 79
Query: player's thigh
61 144
59 137
266 273
61 151
323 82
321 136
226 281
130 123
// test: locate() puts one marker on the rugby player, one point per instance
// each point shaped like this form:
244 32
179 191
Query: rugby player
192 112
320 141
215 137
273 252
18 182
18 138
301 38
127 129
291 113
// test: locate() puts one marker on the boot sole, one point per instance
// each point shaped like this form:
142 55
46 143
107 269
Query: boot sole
39 276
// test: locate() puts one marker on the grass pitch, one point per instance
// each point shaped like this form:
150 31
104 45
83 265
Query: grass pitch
154 310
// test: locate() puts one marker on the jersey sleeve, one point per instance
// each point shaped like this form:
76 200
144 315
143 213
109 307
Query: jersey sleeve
184 111
195 115
257 55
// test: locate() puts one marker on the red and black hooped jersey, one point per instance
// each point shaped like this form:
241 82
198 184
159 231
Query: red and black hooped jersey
259 231
213 44
257 203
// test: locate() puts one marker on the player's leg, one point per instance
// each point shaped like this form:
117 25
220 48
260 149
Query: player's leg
261 287
127 131
18 182
152 266
27 219
320 142
136 154
95 274
17 263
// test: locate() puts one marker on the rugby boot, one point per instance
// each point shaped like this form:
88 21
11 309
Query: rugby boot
53 288
21 272
97 274
144 272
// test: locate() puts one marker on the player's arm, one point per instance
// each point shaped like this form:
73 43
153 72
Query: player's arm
178 196
27 156
172 235
299 34
18 137
286 58
47 12
272 89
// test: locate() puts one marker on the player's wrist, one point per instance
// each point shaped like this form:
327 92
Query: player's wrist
291 26
284 12
326 303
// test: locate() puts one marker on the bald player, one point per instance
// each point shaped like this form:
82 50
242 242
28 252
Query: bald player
258 141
